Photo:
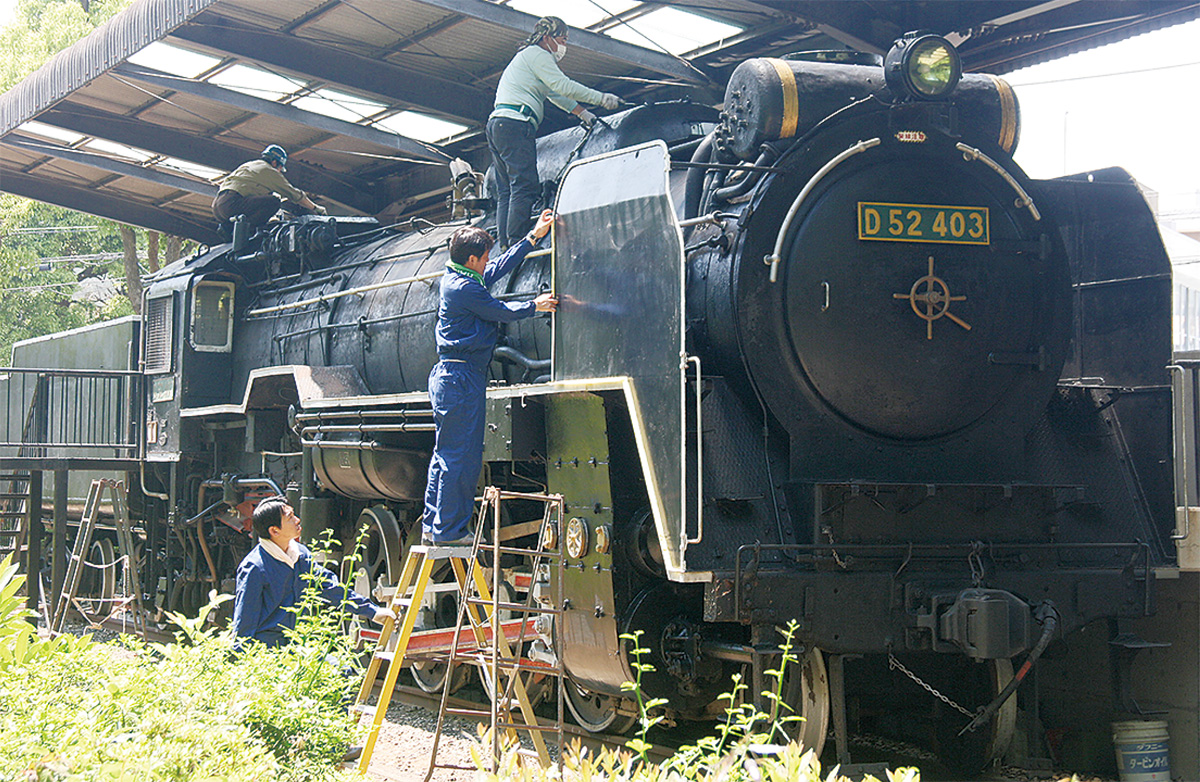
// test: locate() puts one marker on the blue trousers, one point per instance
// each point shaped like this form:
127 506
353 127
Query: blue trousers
458 394
513 144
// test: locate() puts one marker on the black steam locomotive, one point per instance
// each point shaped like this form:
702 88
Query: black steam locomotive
825 357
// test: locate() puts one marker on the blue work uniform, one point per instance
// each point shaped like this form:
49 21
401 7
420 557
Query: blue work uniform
267 588
468 327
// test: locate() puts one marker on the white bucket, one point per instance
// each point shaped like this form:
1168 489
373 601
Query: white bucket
1142 751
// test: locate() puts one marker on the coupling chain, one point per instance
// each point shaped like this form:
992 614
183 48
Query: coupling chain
893 663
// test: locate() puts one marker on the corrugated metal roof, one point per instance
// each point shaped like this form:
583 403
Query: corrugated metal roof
438 57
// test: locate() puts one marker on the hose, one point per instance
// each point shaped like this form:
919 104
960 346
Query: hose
694 187
1047 614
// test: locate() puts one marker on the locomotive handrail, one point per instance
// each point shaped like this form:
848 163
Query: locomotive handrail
1023 199
773 259
342 294
1178 431
699 461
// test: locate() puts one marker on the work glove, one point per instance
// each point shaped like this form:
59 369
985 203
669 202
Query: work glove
587 118
609 101
320 210
383 613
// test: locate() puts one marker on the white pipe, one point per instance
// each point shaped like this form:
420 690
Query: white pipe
773 259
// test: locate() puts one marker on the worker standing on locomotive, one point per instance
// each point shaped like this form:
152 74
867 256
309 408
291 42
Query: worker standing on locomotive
530 78
272 577
467 330
250 191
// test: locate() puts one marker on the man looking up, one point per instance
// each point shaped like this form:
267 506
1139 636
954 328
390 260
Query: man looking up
531 77
272 578
468 326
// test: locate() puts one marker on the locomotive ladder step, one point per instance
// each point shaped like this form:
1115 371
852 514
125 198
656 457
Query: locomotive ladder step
473 639
514 607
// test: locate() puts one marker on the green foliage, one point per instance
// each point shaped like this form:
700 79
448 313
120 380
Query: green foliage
71 709
35 302
42 28
740 751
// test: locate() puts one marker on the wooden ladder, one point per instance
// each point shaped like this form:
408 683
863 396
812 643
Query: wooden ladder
83 541
483 642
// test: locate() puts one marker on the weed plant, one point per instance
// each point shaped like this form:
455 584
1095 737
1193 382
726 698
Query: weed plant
749 745
72 709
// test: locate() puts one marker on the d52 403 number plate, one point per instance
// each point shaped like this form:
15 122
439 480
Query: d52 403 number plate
881 222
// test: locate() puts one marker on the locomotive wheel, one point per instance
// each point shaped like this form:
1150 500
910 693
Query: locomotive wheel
431 676
596 712
970 752
98 585
380 560
806 690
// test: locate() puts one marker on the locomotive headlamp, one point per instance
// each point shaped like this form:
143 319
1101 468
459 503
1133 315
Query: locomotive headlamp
922 66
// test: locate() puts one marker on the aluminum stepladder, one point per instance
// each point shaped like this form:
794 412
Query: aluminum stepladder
507 672
83 540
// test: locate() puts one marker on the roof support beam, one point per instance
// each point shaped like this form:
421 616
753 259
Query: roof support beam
348 191
119 167
339 66
392 142
113 207
510 18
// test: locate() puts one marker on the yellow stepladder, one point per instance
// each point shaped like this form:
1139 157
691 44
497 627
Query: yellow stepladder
490 649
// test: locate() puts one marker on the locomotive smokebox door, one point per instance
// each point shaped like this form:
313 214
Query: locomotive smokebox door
619 277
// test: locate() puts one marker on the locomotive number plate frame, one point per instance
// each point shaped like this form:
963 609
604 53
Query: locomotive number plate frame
888 222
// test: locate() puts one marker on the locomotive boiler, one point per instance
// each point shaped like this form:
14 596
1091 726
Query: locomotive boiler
825 357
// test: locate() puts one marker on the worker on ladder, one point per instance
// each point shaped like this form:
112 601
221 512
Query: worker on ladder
468 327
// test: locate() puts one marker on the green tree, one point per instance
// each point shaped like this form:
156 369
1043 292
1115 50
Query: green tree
38 296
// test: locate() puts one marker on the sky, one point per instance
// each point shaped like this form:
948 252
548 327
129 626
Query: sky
1132 104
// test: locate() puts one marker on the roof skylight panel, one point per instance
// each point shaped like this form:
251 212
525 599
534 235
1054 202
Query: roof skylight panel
118 150
675 31
256 82
339 105
421 127
188 167
174 60
576 13
36 128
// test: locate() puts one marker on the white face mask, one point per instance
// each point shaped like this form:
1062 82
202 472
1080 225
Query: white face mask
560 52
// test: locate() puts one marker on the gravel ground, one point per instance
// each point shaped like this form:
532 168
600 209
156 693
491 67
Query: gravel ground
406 740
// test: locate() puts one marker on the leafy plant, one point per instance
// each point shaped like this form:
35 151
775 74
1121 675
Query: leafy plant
72 709
741 749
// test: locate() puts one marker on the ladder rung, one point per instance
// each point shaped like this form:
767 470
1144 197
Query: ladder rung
385 656
528 552
518 607
453 767
443 552
468 713
523 665
362 708
523 726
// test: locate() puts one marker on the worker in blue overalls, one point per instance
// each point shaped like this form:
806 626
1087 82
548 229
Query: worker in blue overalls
467 330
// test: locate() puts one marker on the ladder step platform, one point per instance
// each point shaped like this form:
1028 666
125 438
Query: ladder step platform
472 640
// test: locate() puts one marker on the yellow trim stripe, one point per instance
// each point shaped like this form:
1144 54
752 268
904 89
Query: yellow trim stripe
1008 114
791 99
